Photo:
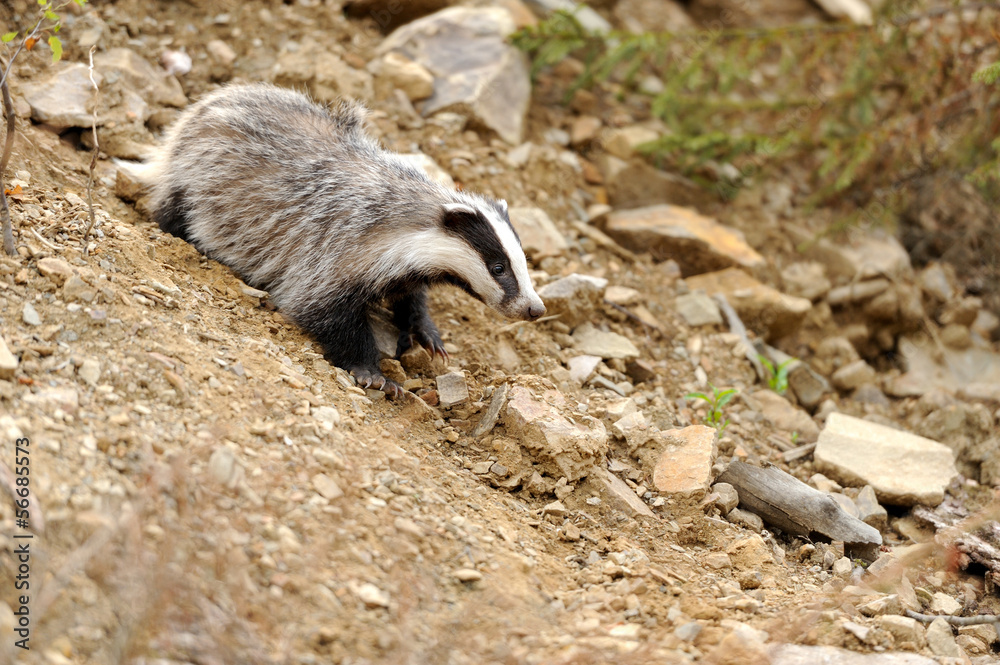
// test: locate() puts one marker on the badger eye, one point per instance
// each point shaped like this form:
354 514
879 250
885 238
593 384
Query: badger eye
498 269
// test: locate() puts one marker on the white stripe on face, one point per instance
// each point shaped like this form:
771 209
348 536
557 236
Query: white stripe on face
512 248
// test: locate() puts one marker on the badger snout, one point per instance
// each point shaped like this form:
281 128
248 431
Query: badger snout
533 311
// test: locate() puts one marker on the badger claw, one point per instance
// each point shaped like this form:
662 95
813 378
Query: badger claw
374 379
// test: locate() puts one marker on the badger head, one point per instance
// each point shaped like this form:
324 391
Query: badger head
491 264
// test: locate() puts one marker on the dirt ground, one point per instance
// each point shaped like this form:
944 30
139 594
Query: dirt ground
218 493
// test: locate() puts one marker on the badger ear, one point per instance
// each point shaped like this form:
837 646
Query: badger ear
503 205
457 214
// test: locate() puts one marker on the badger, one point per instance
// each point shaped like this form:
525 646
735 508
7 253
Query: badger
301 202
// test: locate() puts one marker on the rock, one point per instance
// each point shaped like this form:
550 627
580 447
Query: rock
593 342
634 429
586 16
489 419
574 297
863 256
539 236
8 361
717 561
640 371
131 71
222 465
698 244
55 269
855 10
63 97
30 315
805 280
560 447
584 129
824 484
430 168
618 493
956 336
780 412
764 310
326 487
750 553
842 567
942 603
327 415
581 368
476 71
697 309
746 519
728 498
809 387
467 575
884 604
623 141
937 281
398 71
76 289
639 16
793 654
220 52
857 292
326 76
941 641
902 468
846 504
959 370
90 371
869 510
687 632
834 353
853 376
684 468
372 596
903 630
743 645
452 389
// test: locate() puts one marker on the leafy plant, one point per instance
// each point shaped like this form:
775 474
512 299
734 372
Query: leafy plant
47 24
715 401
777 377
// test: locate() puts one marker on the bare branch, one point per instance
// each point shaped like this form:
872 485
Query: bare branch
97 150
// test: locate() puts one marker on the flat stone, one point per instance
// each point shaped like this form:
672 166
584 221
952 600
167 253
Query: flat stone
560 447
539 236
862 256
467 575
808 385
780 412
573 298
698 244
903 629
793 654
55 269
941 641
489 419
429 167
684 468
326 487
618 492
904 469
475 69
63 97
805 279
75 289
623 141
750 553
942 603
8 361
90 371
764 310
869 510
452 389
133 72
584 129
717 561
622 295
856 292
698 309
581 368
30 315
593 342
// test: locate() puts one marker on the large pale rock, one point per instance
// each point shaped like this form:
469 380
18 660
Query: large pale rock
698 244
560 446
539 236
593 342
573 298
8 361
475 69
794 654
133 72
764 310
685 465
63 97
904 469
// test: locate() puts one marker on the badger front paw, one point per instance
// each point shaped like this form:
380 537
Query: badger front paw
368 377
429 339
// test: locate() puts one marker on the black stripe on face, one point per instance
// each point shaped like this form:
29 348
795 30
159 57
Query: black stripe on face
476 230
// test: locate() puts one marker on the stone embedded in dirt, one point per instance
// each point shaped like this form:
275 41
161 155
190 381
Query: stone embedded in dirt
622 295
941 641
489 419
584 129
395 70
684 468
326 487
30 315
698 309
857 292
593 342
634 429
125 67
764 310
327 77
638 16
586 16
698 244
55 269
559 446
8 361
746 519
750 553
63 97
76 289
717 560
809 386
623 141
581 368
942 603
904 469
475 69
869 510
780 412
452 389
862 256
90 371
794 654
640 371
430 168
372 596
903 629
805 279
539 236
618 492
727 499
573 298
842 567
222 465
638 184
556 509
467 575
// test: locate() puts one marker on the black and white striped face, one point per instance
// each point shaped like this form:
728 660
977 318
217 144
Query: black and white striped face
492 266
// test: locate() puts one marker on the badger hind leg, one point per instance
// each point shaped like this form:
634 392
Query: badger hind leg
346 336
411 316
173 214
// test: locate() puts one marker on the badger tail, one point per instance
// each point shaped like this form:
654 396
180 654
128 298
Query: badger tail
147 173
